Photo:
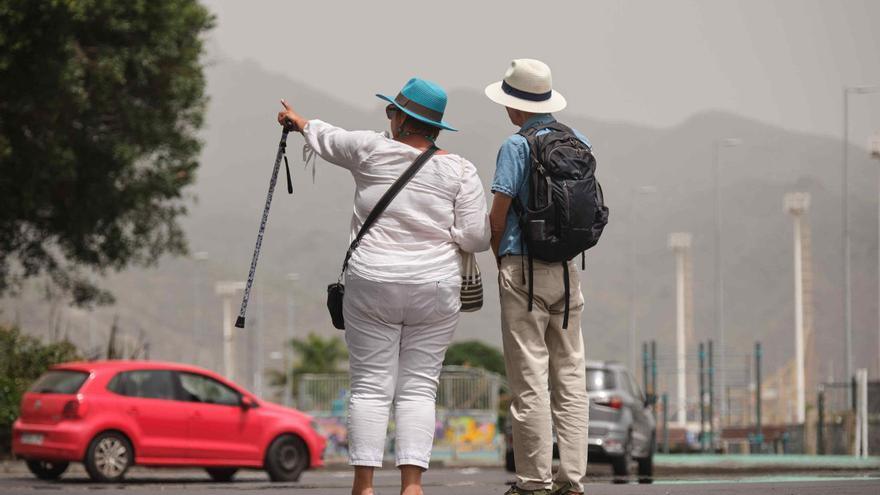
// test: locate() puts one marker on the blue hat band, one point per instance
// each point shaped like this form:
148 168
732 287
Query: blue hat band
525 95
417 108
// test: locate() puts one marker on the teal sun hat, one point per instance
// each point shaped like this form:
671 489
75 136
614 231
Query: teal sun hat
422 100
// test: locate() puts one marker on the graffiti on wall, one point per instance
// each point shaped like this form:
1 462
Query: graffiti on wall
466 425
457 436
335 430
467 435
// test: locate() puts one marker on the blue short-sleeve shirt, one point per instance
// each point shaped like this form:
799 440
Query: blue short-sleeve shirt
511 179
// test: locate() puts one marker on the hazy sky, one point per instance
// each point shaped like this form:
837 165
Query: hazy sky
649 62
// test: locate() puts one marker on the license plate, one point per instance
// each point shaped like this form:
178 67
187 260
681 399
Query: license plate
32 439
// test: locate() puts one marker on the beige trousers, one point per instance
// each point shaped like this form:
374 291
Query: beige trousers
546 372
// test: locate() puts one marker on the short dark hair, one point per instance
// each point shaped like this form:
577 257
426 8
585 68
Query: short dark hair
415 126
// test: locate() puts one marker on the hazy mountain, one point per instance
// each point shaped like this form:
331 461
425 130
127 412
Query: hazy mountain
307 232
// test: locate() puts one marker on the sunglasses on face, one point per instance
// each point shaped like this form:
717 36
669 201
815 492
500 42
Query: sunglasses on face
390 110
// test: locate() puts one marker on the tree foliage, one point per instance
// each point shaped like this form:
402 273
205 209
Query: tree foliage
100 103
475 354
318 355
314 354
22 360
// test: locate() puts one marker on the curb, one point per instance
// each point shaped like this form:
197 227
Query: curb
761 463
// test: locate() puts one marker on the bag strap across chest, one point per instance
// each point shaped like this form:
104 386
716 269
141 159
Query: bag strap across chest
385 200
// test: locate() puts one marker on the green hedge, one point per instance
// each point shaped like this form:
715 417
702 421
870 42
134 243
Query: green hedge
22 360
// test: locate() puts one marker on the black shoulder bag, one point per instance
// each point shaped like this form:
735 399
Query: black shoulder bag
336 292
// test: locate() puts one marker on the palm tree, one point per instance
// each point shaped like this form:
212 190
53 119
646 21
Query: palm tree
314 354
318 355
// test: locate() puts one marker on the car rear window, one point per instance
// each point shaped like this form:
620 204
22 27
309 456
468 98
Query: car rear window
59 382
599 379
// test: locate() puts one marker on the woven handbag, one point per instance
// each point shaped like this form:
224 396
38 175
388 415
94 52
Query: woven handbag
471 283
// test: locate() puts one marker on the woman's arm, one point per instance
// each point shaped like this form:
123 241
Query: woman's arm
471 228
289 114
348 149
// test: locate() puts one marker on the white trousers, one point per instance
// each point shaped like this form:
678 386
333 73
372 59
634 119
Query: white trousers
397 335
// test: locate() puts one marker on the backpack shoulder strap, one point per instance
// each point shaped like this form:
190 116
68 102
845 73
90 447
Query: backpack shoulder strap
560 127
530 135
532 164
385 200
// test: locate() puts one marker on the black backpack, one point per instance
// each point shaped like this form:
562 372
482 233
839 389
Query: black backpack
566 213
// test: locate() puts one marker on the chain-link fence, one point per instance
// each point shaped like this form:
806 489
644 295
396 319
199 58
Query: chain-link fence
467 415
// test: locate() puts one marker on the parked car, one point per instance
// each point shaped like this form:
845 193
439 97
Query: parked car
622 425
111 415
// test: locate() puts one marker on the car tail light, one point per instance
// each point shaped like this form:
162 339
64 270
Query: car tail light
612 402
74 409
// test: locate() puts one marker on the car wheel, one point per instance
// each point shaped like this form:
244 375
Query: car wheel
287 458
108 457
47 470
620 464
221 474
509 462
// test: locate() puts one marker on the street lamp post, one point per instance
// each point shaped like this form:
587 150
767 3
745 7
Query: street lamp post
719 271
875 153
636 193
257 340
847 292
93 340
680 244
200 258
227 290
288 348
796 204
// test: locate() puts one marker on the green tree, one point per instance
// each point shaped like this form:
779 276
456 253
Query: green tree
100 103
475 354
318 355
22 360
314 354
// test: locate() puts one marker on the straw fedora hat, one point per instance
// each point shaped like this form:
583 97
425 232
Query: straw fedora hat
527 86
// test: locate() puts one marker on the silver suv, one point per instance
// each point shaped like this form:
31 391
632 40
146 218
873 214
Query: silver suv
622 426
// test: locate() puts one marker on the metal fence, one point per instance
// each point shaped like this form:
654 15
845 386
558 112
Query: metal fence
840 396
835 423
467 414
468 389
322 392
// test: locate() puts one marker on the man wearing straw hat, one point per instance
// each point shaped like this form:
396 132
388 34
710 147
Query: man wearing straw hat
537 348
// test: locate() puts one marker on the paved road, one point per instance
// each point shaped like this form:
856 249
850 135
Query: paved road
469 481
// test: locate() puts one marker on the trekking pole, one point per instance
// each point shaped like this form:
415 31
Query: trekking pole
282 149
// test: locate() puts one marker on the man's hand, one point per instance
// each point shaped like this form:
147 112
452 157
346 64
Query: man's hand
288 114
498 219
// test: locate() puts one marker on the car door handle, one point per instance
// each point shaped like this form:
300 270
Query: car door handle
132 411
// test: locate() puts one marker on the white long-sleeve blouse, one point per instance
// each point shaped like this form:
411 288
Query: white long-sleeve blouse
417 239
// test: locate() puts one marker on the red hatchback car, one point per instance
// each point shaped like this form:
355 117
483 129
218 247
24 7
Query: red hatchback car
110 415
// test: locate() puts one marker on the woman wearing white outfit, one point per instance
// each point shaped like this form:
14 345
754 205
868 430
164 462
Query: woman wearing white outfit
402 301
